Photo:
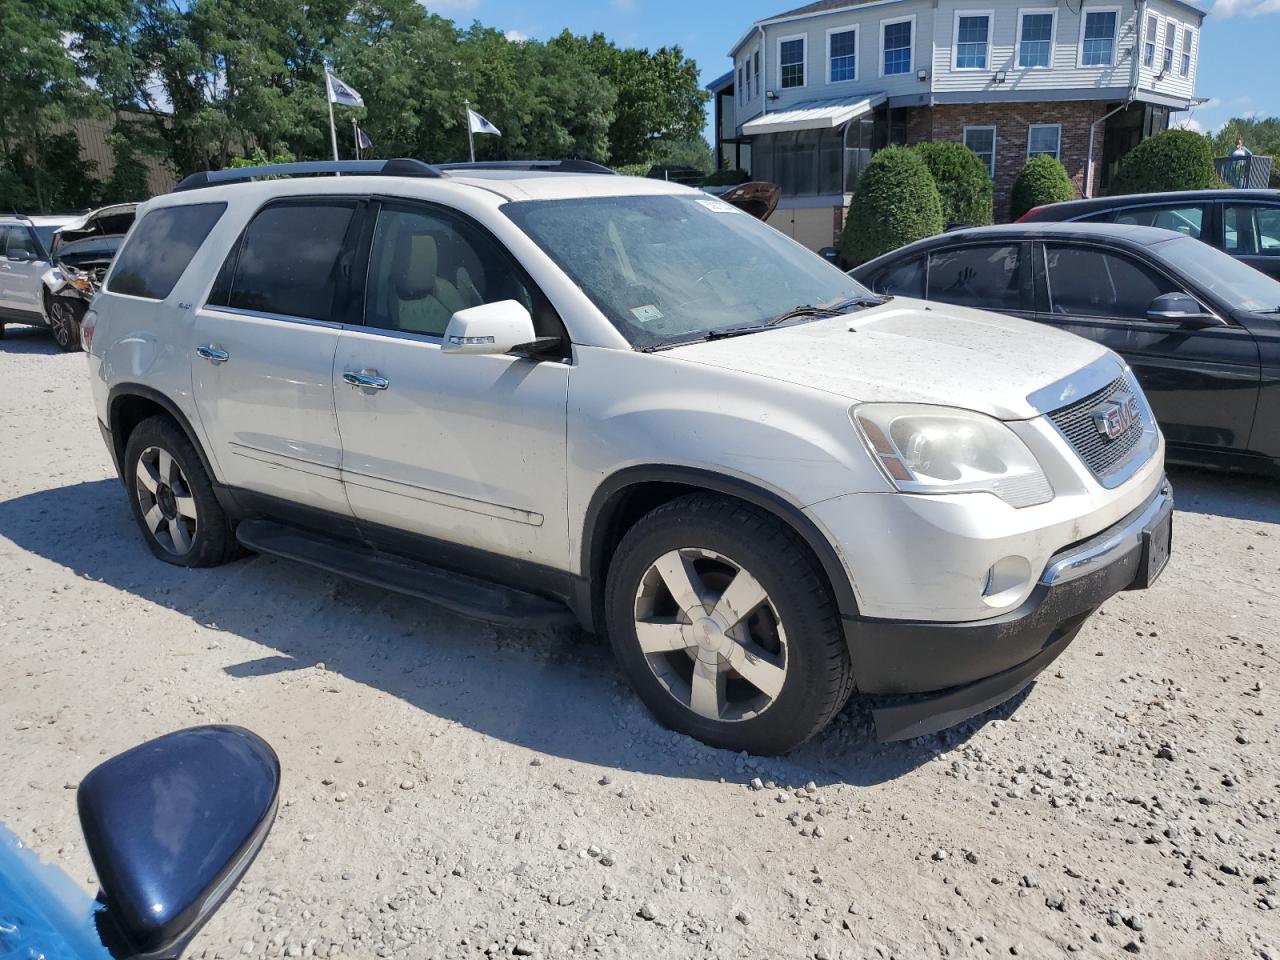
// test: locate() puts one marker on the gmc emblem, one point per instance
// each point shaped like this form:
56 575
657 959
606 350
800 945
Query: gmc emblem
1118 417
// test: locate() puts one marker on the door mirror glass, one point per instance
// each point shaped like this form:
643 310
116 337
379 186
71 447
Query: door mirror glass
1179 307
21 256
171 826
491 328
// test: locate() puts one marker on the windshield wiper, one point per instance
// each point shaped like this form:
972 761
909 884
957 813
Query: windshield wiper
819 310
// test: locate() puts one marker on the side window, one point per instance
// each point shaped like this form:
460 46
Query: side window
289 261
986 277
1187 220
18 241
1252 231
903 279
1096 283
160 248
426 264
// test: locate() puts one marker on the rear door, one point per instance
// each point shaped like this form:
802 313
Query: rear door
986 276
262 367
1202 383
1251 232
450 449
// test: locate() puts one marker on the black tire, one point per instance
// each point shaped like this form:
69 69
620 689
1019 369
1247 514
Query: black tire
64 315
211 539
818 674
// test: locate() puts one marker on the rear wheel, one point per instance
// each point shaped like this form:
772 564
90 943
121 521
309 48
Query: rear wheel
726 626
172 497
64 321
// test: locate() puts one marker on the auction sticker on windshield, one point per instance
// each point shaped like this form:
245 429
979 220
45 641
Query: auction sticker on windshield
646 313
717 206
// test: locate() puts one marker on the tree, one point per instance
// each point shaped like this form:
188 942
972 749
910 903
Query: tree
1043 180
1173 160
1262 136
896 203
963 180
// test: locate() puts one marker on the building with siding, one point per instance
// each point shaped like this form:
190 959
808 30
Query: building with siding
814 92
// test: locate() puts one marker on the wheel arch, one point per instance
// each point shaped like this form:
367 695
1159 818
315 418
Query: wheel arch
625 496
128 404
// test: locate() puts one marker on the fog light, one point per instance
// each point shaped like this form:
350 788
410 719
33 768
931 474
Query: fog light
1006 580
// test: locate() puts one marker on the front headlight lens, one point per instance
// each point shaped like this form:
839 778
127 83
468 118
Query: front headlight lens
925 449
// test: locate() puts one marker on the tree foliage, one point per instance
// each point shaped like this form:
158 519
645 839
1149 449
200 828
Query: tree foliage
1043 180
896 203
963 180
225 78
1173 160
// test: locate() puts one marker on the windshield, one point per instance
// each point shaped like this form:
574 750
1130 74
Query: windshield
45 234
1221 274
669 269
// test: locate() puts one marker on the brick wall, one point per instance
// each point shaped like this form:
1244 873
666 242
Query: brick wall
1011 120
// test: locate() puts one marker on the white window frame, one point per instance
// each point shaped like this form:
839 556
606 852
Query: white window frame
1188 42
1169 55
911 51
857 51
1115 39
1053 36
1149 43
1057 154
964 139
804 61
955 39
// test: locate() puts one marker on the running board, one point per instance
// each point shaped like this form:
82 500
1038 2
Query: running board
468 596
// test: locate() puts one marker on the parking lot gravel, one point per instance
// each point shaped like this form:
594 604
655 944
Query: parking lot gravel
452 789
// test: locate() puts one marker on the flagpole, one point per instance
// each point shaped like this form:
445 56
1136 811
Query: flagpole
333 130
355 136
471 140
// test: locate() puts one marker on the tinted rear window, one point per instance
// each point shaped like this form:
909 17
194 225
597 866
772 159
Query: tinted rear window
160 248
289 261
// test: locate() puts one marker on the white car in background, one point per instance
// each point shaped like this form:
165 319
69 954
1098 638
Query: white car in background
537 391
25 243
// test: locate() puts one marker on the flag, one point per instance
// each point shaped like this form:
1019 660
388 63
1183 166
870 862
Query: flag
339 92
480 125
362 140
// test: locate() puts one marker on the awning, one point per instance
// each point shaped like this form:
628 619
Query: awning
814 114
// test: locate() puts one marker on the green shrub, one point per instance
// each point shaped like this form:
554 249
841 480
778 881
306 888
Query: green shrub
963 180
726 178
1043 180
896 203
1173 160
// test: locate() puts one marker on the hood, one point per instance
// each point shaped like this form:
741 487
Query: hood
911 351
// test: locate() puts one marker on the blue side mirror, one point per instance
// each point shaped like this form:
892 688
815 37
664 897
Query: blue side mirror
171 826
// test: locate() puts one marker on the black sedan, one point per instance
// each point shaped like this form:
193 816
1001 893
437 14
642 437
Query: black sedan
1200 329
1243 223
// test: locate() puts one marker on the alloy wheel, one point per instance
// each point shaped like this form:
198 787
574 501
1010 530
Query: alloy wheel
62 322
164 495
711 634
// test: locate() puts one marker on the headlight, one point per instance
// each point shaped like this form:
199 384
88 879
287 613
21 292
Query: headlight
925 449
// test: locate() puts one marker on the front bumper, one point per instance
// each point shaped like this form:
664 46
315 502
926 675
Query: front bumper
968 667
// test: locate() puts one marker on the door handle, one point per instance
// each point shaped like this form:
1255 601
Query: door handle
367 379
213 354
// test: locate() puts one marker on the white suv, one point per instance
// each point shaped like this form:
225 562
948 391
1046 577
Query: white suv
538 391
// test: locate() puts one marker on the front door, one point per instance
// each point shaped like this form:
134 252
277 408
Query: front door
20 272
465 451
262 372
1202 383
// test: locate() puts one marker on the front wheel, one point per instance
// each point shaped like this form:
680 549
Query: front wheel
64 322
726 627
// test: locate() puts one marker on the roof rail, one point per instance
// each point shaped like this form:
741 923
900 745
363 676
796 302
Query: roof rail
377 168
551 166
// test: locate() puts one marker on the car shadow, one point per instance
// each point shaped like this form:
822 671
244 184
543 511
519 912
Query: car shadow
22 339
558 693
1237 495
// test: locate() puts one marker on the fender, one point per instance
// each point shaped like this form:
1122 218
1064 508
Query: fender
606 499
124 391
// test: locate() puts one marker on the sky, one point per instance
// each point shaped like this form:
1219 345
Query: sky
1239 69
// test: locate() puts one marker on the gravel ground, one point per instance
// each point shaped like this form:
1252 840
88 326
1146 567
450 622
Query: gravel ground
456 790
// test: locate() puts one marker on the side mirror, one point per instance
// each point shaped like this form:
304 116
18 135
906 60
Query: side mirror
21 256
829 254
1181 308
171 826
492 329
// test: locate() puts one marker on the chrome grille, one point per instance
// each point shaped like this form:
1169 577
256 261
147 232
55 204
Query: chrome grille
1100 453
